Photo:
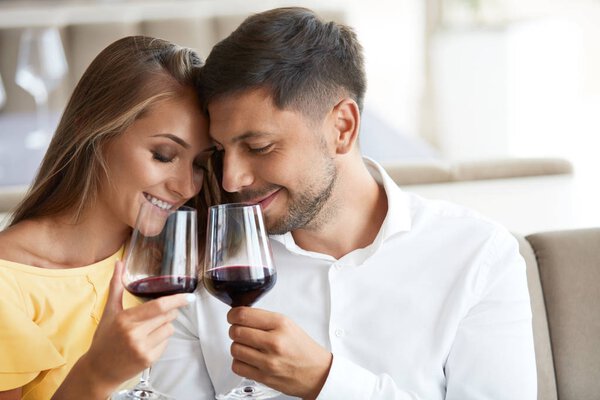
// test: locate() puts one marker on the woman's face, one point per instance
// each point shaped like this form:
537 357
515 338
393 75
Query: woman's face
160 159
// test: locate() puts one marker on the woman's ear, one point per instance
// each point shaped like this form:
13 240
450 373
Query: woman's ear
346 117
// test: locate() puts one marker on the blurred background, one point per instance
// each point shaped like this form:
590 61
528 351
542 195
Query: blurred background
450 83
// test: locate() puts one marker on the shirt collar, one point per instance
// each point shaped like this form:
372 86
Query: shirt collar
397 220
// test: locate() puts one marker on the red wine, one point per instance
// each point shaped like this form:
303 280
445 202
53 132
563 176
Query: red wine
239 285
158 286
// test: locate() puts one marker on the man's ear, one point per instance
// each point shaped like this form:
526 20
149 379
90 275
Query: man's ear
346 119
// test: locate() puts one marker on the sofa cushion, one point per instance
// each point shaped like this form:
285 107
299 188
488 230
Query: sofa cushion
569 266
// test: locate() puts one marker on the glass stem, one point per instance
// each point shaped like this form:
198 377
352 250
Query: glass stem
145 379
43 113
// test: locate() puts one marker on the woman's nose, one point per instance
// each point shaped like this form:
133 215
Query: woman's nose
187 182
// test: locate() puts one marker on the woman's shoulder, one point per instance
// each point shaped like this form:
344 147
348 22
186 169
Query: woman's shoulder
17 240
11 243
11 253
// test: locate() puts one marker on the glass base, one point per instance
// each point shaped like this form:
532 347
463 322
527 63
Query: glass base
140 394
249 390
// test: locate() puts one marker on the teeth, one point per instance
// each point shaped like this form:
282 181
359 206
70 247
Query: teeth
158 203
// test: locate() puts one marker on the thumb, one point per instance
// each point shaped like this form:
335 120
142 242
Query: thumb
114 303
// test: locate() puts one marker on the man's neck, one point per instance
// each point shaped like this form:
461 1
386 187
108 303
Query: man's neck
351 220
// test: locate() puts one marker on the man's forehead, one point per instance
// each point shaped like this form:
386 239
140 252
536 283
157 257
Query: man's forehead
242 99
249 115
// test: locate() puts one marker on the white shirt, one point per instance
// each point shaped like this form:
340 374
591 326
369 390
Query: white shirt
437 307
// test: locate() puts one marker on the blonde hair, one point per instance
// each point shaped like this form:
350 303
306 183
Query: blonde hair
121 83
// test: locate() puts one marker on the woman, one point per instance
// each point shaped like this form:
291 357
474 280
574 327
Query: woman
131 132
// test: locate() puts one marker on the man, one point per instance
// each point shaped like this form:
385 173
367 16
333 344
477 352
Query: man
380 294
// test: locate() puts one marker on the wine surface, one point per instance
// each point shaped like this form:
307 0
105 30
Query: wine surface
158 286
239 285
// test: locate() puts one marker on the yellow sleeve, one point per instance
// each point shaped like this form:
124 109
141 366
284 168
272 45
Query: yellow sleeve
25 350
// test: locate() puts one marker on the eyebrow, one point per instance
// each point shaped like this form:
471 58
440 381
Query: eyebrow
174 138
249 135
182 142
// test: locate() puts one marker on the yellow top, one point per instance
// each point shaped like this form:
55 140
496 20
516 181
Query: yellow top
47 320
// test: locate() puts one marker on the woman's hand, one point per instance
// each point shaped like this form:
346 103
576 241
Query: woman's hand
125 343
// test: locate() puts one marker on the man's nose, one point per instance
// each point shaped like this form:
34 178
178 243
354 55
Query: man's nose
237 172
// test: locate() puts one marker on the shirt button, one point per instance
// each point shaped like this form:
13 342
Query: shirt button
339 332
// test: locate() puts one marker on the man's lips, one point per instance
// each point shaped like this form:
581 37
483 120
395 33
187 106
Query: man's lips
264 201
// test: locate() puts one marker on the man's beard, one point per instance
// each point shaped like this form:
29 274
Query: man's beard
304 209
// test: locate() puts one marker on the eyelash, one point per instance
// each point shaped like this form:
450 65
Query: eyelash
164 159
261 150
161 158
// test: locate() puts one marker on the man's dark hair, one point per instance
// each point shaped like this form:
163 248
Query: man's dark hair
305 63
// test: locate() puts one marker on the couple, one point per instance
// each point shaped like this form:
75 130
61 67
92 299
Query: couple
380 294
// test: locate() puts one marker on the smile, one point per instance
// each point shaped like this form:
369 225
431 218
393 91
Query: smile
163 205
265 201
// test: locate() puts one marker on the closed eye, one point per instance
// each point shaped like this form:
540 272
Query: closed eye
260 150
161 157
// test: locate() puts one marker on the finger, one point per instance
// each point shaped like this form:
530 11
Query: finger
249 336
159 335
114 303
162 305
144 327
155 353
246 370
254 318
249 355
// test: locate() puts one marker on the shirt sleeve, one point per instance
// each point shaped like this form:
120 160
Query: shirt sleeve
181 371
25 348
492 356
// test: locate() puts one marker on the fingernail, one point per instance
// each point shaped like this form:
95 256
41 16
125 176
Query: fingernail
190 297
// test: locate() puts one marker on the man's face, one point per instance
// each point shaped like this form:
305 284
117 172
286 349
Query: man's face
274 157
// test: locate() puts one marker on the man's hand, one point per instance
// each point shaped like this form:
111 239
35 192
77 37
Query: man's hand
270 348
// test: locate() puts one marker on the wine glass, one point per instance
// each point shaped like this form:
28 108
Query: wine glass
2 94
239 270
41 65
161 259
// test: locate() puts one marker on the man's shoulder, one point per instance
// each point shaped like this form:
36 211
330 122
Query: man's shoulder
459 236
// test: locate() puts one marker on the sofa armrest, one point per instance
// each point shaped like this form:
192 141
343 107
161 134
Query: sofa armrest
541 336
569 267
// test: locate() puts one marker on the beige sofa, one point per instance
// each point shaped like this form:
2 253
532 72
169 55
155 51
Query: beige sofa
563 270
